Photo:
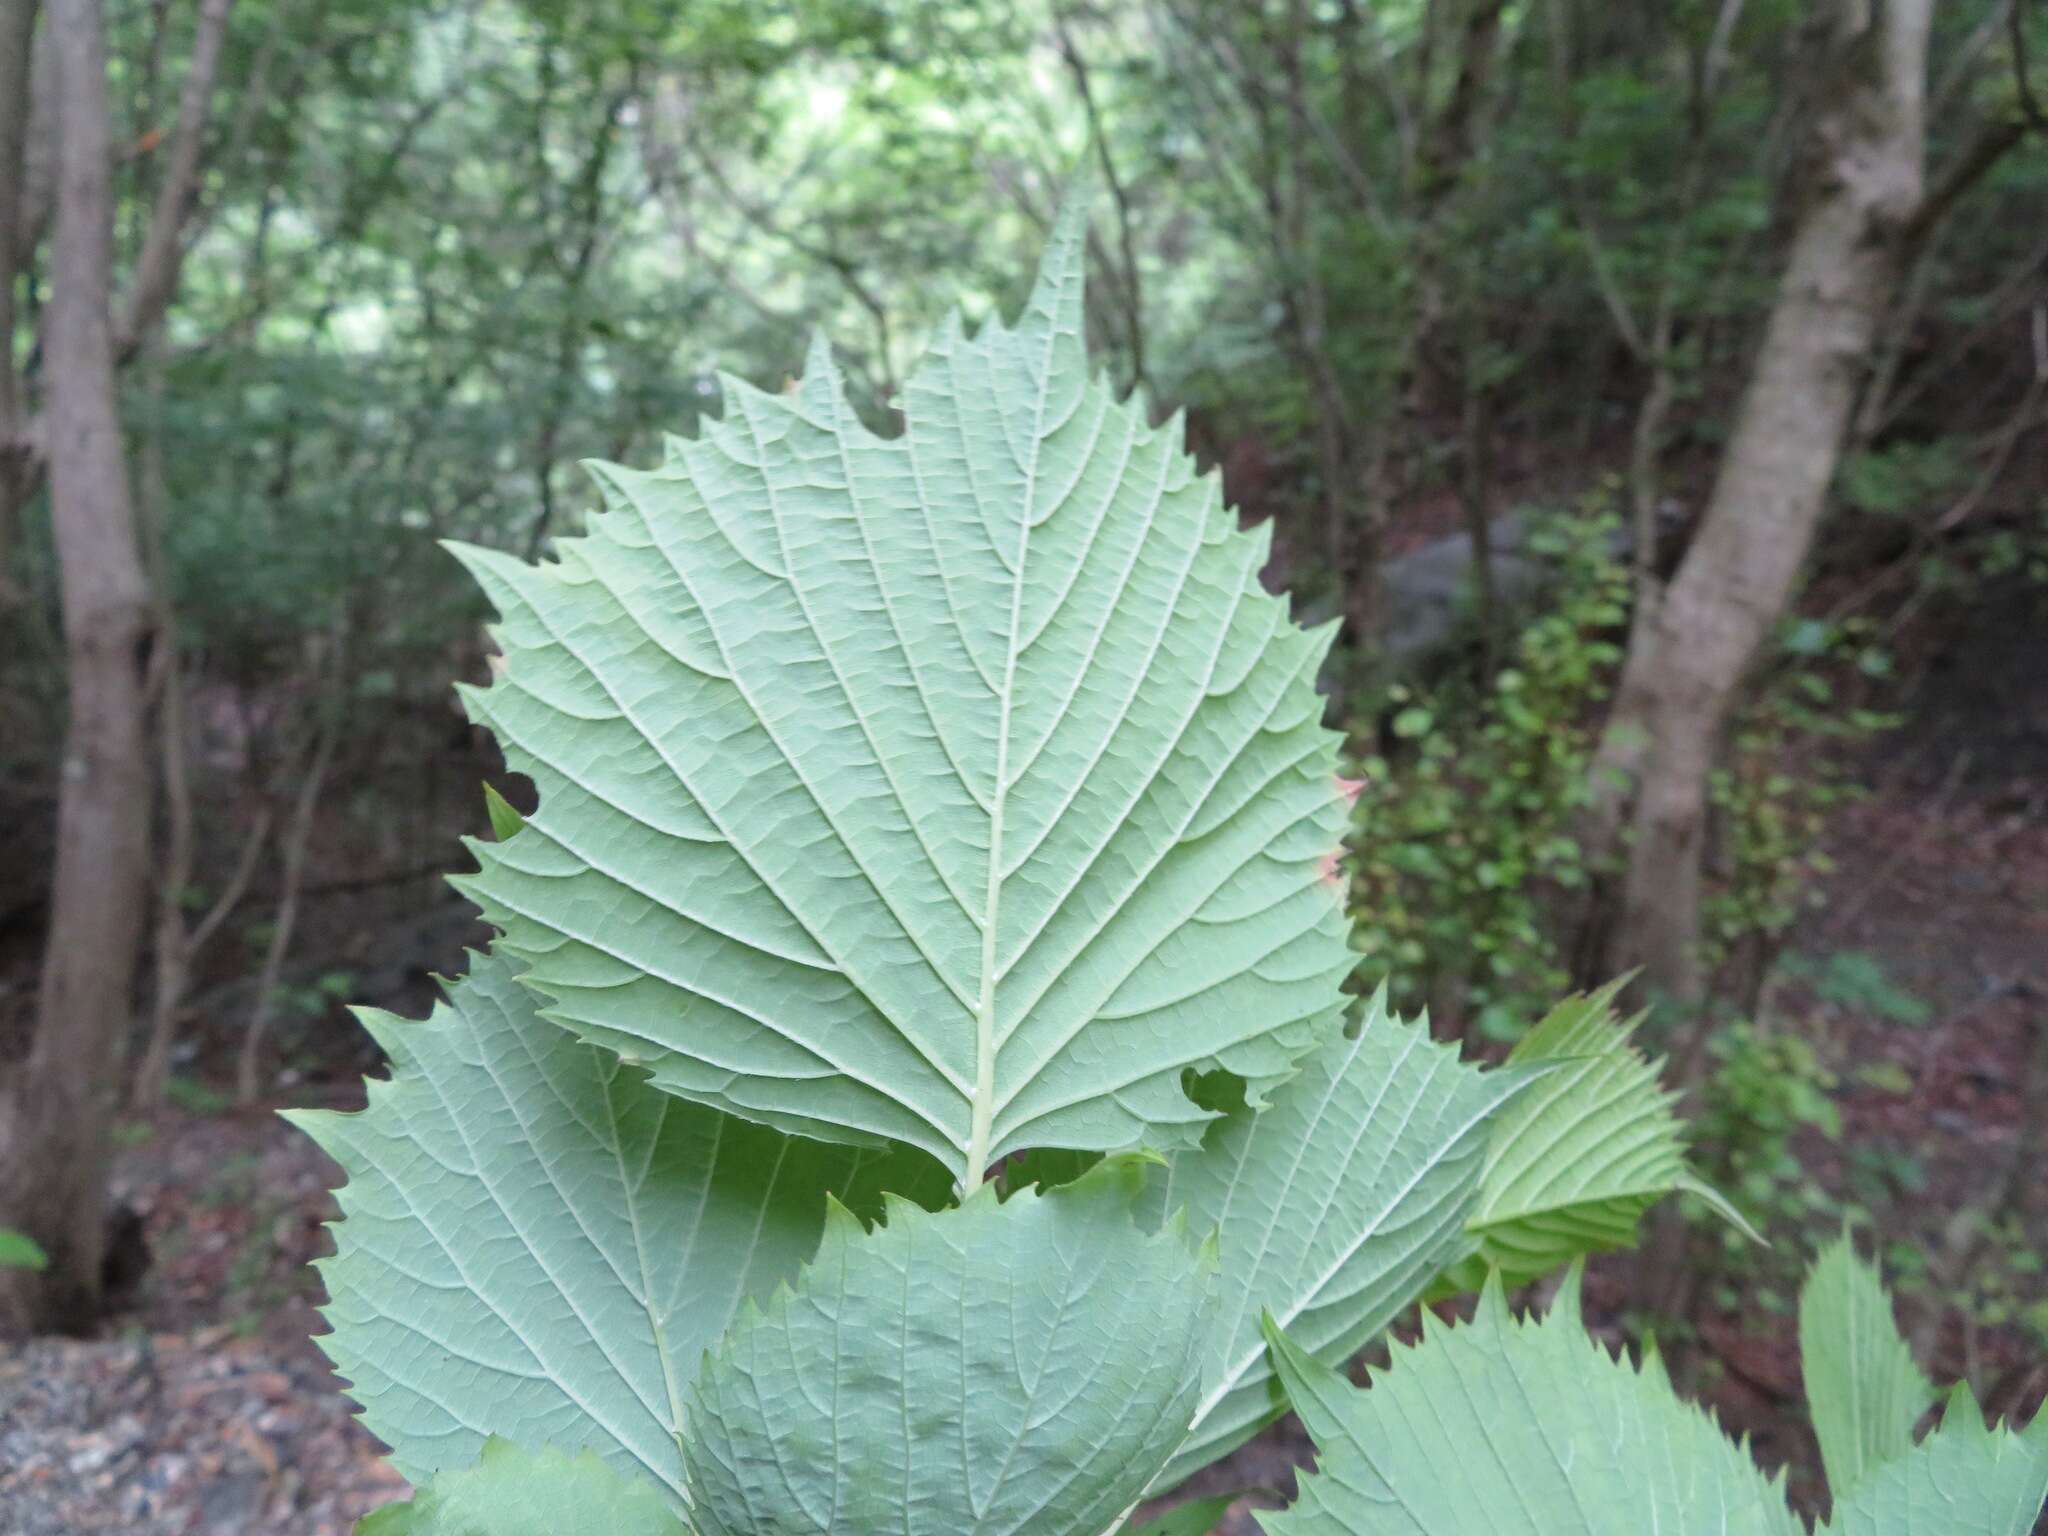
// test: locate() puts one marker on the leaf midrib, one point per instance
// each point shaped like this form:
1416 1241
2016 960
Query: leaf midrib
982 1118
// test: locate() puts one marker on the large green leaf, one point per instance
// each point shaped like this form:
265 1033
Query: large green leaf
1507 1427
538 1245
1965 1479
963 788
508 1492
1022 1366
1333 1207
1862 1387
1577 1159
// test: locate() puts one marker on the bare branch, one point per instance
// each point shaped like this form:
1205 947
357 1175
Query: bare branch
163 247
2023 87
2026 416
1962 62
17 35
1133 292
39 158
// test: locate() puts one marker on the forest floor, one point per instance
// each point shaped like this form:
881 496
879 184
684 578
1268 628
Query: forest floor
206 1409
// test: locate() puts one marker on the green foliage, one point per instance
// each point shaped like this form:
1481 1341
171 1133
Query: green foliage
950 1396
1577 1159
1514 1427
1966 1478
504 819
1783 773
579 1219
20 1251
1856 981
1518 1427
1197 1517
538 1244
1465 832
508 1492
1902 479
1862 1387
1386 1136
1763 1091
1053 758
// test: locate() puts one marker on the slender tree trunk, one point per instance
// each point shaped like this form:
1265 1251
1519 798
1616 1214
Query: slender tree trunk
176 945
1475 500
17 36
54 1124
1772 485
298 833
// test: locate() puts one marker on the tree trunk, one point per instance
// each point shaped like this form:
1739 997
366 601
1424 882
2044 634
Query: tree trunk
298 834
17 38
176 944
54 1142
1772 484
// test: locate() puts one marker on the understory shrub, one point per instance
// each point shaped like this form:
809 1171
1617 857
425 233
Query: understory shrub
1465 831
912 1088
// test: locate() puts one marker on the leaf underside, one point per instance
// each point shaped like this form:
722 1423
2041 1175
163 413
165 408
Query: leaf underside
1333 1207
1507 1427
1965 1479
1524 1427
508 1492
1862 1388
963 788
538 1245
1020 1368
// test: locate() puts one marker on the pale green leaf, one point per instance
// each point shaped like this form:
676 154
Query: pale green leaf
1965 1479
1577 1159
1862 1387
536 1244
963 788
509 1492
1022 1366
1515 1427
1333 1207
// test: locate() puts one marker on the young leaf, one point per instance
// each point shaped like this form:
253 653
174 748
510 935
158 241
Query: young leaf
963 788
1023 1366
505 819
1333 1208
1965 1479
535 1244
1506 1427
1577 1159
1862 1387
508 1492
1197 1517
20 1251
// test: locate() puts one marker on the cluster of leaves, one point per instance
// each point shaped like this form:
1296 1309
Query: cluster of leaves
912 1088
1522 1426
1765 1090
1782 776
1465 833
